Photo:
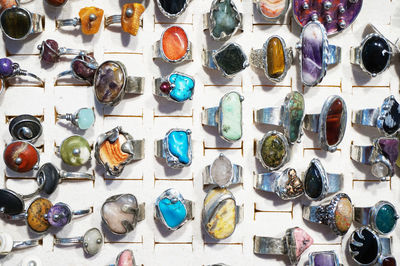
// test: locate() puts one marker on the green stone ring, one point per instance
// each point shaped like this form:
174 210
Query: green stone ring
74 151
273 150
83 118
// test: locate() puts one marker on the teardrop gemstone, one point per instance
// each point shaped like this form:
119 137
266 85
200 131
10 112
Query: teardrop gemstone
375 54
313 181
174 43
334 122
312 54
275 58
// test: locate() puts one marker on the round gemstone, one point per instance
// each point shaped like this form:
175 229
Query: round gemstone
386 218
221 171
16 22
334 122
49 51
275 58
92 241
226 18
11 203
109 82
36 215
21 156
56 2
380 170
59 215
273 151
389 261
343 215
313 181
172 7
75 151
6 67
85 118
231 59
375 54
165 87
366 246
174 43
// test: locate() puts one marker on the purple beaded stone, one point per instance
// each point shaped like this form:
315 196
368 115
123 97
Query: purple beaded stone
390 148
6 67
312 45
324 259
49 51
59 215
81 68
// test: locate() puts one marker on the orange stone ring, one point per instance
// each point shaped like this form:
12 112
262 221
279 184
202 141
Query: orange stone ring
130 18
174 46
89 18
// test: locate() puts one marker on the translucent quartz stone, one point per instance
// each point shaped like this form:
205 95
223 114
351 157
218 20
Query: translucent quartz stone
221 170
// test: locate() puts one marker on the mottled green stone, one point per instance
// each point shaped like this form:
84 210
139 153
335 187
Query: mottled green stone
296 113
226 18
386 219
75 151
231 113
273 151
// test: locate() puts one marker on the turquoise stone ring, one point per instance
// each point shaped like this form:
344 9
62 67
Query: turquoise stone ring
176 87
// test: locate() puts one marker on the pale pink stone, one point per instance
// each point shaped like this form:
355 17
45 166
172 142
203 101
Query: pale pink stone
126 258
303 241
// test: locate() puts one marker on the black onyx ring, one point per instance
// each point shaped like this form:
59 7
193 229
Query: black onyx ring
330 124
8 244
272 150
292 244
12 203
174 9
25 127
337 214
222 173
287 185
323 258
290 116
18 23
382 156
367 248
230 59
50 52
92 241
223 20
176 87
386 117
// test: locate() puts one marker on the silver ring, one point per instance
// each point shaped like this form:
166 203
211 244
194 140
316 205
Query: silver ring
222 173
83 67
172 210
272 150
8 244
25 127
86 14
318 184
74 151
50 52
382 156
116 148
292 244
320 258
287 185
382 217
83 118
125 257
272 11
313 65
227 116
274 58
176 87
330 124
21 156
175 148
176 49
230 59
338 214
92 241
386 117
11 202
130 18
222 30
172 10
290 116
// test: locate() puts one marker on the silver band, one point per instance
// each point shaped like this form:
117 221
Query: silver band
311 122
270 116
157 53
68 240
159 149
134 85
334 55
208 60
313 214
26 243
269 245
68 22
17 217
65 73
237 176
112 20
156 89
209 116
266 181
37 23
355 55
365 117
361 154
75 175
82 212
69 51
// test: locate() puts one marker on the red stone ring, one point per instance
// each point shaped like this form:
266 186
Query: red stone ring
21 156
330 124
50 52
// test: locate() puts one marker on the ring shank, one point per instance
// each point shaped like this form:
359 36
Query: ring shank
311 122
270 116
209 116
361 154
269 245
266 181
365 117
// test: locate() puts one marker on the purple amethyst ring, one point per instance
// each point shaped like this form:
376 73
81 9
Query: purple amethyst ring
60 214
50 52
323 258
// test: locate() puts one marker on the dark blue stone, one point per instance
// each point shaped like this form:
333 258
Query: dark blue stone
313 182
172 6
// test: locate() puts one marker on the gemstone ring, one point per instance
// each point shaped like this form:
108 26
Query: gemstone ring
292 244
74 150
382 217
50 52
172 9
8 244
83 119
89 18
175 148
172 210
177 87
290 116
130 18
272 150
222 173
382 156
12 203
25 127
316 53
125 257
323 258
337 214
330 124
83 67
227 116
272 10
286 184
92 241
274 58
21 156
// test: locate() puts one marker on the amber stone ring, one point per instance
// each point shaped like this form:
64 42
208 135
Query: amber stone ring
337 214
272 10
330 124
25 127
130 18
8 244
89 18
274 58
272 150
222 173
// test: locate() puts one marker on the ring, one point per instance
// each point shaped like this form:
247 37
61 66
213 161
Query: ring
367 248
229 59
174 9
222 173
323 258
290 116
272 10
318 183
82 67
334 15
89 18
172 209
315 53
292 244
92 241
125 257
287 185
121 213
382 156
21 156
338 214
74 150
227 117
50 52
382 217
8 244
25 127
56 3
386 118
12 203
220 213
83 119
129 19
330 124
272 150
177 87
18 23
115 149
274 58
223 20
9 69
175 147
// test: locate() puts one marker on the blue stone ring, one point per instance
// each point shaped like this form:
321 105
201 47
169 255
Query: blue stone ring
172 209
83 119
323 258
175 148
177 87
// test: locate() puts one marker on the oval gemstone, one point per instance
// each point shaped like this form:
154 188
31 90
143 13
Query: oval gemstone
178 146
275 58
92 241
344 215
16 22
231 116
313 181
367 246
375 54
119 213
221 171
49 51
85 118
172 6
231 59
35 215
386 219
273 151
226 18
20 156
109 82
59 215
334 122
75 151
272 8
295 108
11 203
182 87
312 54
174 43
